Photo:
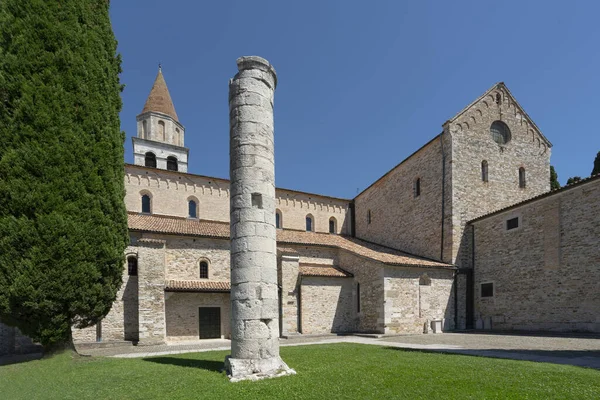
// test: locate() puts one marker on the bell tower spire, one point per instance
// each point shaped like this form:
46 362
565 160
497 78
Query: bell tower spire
160 135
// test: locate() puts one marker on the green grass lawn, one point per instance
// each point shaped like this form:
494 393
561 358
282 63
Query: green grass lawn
338 371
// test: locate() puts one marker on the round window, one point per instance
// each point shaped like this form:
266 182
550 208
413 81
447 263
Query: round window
500 132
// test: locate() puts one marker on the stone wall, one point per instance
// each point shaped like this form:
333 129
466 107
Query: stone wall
12 341
183 256
182 314
327 305
472 144
289 281
545 273
151 283
415 297
170 192
399 219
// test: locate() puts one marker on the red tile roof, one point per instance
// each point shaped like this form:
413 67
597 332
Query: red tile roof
323 270
192 227
197 286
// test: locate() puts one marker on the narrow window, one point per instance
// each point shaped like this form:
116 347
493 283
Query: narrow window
487 290
203 270
172 163
277 219
309 223
132 266
146 204
368 216
498 98
358 297
417 187
425 280
161 131
522 178
332 224
150 160
144 129
192 209
484 171
177 137
512 223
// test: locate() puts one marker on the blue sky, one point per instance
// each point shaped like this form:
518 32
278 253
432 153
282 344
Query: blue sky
362 85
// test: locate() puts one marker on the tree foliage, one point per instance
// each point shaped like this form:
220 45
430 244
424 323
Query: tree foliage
554 184
573 179
63 226
596 169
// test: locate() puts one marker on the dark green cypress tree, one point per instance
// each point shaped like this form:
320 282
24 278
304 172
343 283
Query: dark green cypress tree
63 223
554 184
596 169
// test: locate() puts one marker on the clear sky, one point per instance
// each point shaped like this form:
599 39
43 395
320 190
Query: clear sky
362 85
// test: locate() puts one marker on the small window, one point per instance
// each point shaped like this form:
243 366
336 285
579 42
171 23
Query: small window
522 181
203 270
150 160
192 209
146 203
172 163
368 216
132 266
277 219
425 280
512 223
487 290
161 131
417 187
309 223
484 171
498 98
332 225
144 129
358 297
500 132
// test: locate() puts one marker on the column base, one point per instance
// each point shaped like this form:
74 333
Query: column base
240 369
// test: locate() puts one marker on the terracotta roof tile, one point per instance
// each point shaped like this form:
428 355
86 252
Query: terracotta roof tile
197 286
186 226
159 99
323 270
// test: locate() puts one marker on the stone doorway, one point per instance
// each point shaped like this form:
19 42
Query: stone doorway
209 322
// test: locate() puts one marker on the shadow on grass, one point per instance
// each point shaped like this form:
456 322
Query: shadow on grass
208 365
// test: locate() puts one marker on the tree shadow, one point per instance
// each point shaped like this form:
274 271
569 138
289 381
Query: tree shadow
209 365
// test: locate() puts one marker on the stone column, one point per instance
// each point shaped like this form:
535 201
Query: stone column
254 301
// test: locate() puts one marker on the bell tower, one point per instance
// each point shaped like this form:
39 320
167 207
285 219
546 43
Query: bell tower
160 135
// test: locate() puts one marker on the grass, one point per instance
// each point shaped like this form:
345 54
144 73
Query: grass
338 371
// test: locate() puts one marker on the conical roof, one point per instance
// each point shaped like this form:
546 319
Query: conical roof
159 99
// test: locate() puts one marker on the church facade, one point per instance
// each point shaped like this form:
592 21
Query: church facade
464 233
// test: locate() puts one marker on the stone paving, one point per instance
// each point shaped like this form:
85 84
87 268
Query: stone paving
579 350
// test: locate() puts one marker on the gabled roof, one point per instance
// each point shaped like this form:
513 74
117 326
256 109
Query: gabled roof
211 229
502 86
159 99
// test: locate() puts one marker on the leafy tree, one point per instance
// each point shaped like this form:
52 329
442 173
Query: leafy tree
63 224
596 169
573 179
554 184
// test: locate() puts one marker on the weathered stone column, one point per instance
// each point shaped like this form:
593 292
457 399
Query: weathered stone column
254 301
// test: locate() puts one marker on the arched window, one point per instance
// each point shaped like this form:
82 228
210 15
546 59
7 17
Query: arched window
132 266
203 269
278 219
368 216
484 171
172 163
522 181
146 204
425 280
309 223
332 225
417 187
500 132
150 160
161 131
192 209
